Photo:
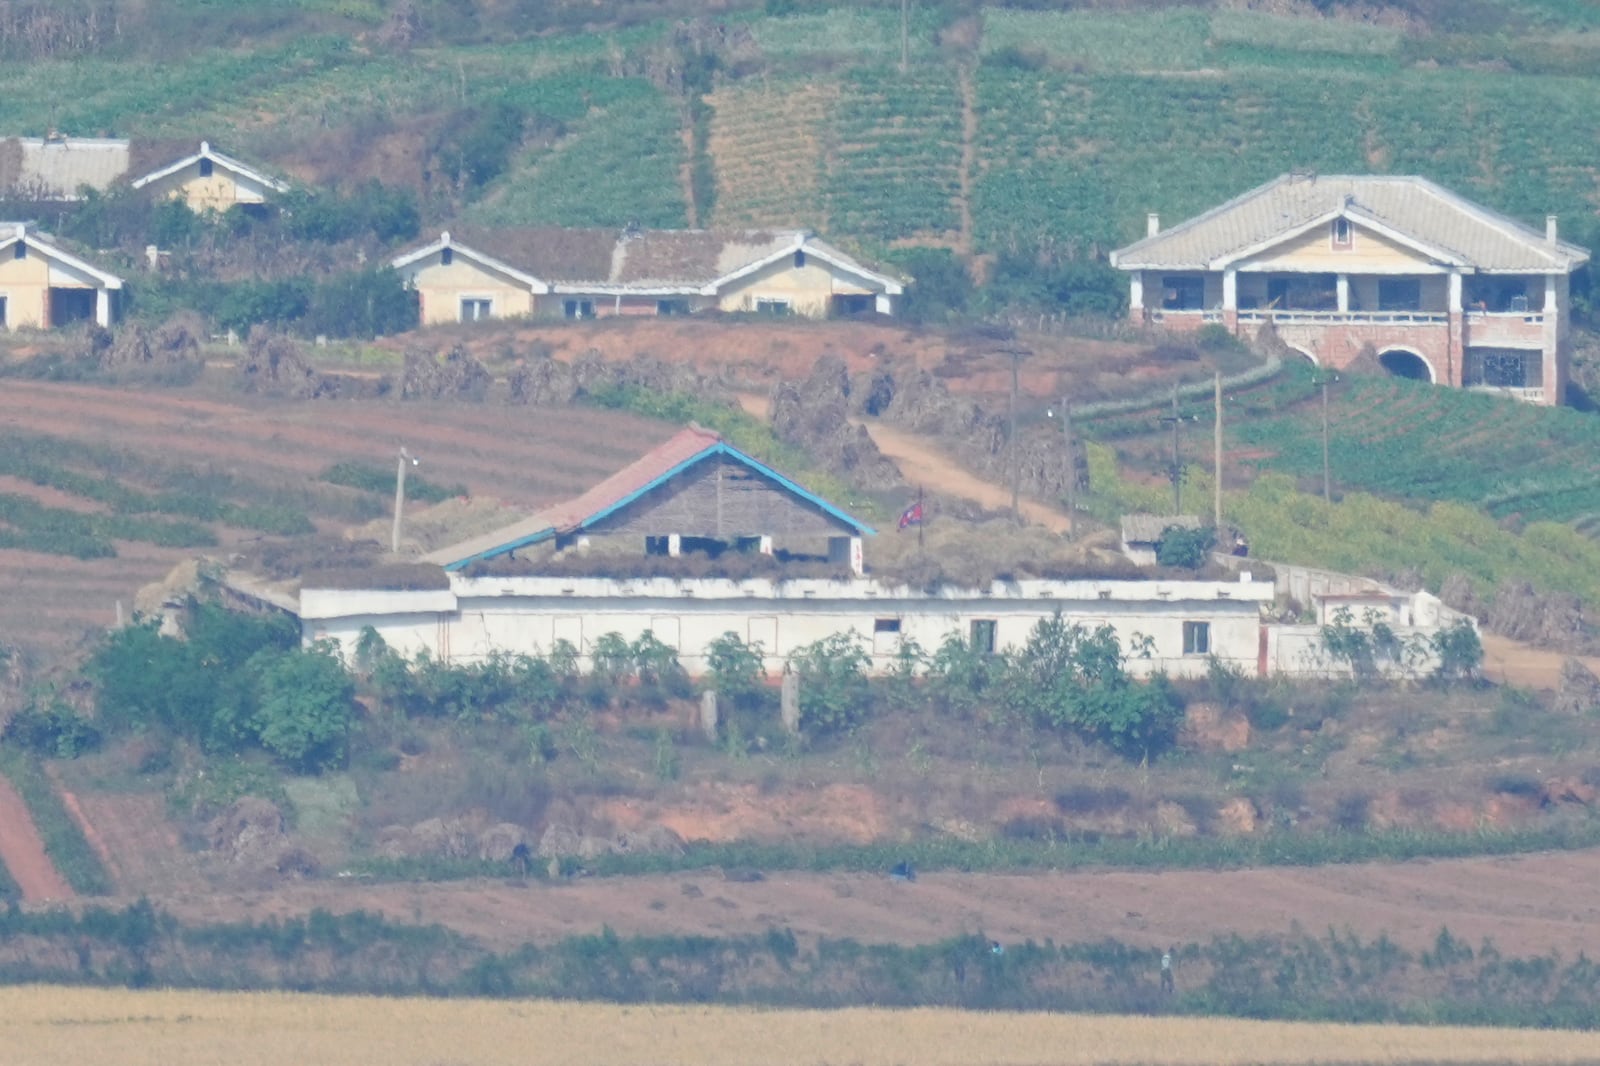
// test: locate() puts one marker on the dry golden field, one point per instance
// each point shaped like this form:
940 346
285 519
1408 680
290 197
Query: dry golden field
49 1026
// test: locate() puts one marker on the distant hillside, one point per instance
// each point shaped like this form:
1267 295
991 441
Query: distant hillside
1046 133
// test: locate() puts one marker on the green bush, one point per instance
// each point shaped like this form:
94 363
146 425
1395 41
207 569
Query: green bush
304 704
1185 548
736 672
834 694
52 729
64 841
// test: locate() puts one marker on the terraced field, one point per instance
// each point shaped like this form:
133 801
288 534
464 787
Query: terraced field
768 144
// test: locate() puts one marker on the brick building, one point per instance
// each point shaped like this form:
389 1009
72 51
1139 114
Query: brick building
1442 289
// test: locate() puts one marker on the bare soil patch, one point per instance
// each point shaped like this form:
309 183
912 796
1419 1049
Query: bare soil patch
1530 904
23 851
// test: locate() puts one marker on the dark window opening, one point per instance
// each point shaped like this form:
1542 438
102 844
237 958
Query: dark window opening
21 250
1183 292
1503 368
205 168
1400 294
4 322
578 308
1341 233
983 634
1197 638
1497 294
772 307
71 305
1303 292
886 625
799 259
473 310
447 256
1405 365
846 304
672 307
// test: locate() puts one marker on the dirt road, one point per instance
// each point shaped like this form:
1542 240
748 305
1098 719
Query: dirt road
1529 904
23 851
1507 661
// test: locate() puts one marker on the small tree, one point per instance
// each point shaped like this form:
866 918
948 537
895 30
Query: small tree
1185 548
304 714
834 694
738 671
1458 650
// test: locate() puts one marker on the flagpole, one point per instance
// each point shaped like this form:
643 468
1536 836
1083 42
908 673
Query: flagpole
922 519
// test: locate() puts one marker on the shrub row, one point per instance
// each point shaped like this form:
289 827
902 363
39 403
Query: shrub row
63 838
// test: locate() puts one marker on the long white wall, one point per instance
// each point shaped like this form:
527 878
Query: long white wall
480 616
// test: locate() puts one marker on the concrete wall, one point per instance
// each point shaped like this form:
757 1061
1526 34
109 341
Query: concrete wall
441 288
529 614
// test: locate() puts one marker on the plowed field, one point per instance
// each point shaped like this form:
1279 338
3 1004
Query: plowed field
522 456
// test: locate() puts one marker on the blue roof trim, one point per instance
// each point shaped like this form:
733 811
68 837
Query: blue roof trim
501 549
722 447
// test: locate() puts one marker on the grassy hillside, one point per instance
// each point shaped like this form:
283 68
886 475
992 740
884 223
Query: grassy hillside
1080 120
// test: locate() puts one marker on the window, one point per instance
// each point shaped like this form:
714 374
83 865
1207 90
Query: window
1197 638
799 259
21 251
1399 294
2 312
1342 237
983 633
447 256
885 636
772 307
1303 292
578 308
1503 368
205 168
476 310
1183 292
672 307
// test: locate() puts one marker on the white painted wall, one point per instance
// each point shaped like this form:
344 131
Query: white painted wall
479 616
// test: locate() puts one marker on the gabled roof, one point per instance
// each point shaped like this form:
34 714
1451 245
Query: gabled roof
217 158
684 450
12 232
55 168
1413 211
639 262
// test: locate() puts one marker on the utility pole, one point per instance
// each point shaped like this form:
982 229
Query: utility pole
1217 459
1324 380
400 496
1176 473
1011 439
1072 468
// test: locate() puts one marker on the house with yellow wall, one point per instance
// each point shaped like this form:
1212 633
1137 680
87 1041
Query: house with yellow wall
207 180
42 285
472 275
1439 288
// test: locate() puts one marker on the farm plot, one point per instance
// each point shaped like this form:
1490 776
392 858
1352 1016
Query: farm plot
97 468
46 1025
1082 157
894 171
767 146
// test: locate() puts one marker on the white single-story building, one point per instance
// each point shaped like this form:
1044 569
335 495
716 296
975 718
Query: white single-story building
43 285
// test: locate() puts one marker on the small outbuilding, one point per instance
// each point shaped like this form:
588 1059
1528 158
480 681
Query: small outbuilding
43 285
1142 533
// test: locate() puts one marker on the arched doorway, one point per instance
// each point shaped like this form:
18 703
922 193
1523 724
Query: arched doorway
1405 364
1304 353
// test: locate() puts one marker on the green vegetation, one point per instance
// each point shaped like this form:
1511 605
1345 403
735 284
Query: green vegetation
895 169
64 841
371 477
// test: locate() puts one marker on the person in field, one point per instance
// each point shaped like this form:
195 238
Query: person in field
1166 971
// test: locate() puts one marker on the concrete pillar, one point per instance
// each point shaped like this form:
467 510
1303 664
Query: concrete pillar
1152 224
1550 298
883 303
708 715
846 551
764 545
789 703
674 544
1230 290
1136 294
1342 286
1455 292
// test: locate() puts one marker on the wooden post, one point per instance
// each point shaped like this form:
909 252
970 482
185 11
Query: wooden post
1011 441
708 715
1217 458
399 499
1072 468
1177 463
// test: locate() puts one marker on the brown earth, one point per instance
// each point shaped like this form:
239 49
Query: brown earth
23 851
1530 904
1507 661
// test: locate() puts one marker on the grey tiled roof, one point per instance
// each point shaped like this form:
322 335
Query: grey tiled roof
1147 528
1458 230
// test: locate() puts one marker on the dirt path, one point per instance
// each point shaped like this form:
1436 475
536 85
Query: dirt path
23 851
921 463
1530 904
1507 661
969 155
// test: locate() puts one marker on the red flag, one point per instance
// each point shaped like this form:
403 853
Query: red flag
912 515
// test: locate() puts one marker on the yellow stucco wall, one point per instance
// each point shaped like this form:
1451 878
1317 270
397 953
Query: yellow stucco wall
442 288
1313 253
25 287
808 289
218 192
